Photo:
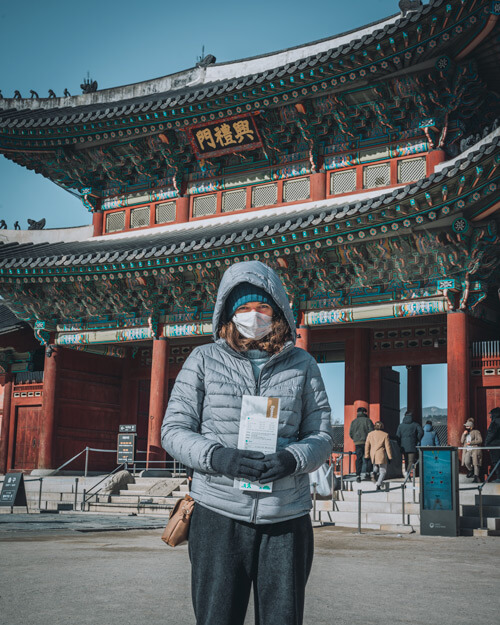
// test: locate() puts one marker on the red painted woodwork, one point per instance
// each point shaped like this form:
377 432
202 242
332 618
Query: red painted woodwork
88 408
414 392
158 398
97 222
142 403
357 377
27 437
433 158
375 391
5 403
46 454
182 210
318 186
458 375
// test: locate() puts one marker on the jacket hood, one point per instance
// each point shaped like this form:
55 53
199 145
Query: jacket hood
408 419
260 275
428 428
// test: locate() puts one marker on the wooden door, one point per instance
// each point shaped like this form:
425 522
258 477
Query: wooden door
389 399
28 420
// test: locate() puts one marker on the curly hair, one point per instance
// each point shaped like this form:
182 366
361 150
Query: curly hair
272 343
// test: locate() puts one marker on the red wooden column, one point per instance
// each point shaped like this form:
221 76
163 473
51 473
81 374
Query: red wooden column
4 436
414 391
157 399
302 333
357 378
458 374
50 378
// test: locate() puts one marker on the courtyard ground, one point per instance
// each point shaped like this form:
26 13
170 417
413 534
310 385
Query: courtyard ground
85 569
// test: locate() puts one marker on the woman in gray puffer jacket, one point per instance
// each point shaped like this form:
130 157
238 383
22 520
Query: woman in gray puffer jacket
239 538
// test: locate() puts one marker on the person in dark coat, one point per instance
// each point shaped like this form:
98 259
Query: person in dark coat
358 431
430 437
493 440
408 436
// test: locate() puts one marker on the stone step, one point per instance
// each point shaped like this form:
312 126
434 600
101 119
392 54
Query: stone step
493 524
127 509
367 518
369 506
488 511
119 499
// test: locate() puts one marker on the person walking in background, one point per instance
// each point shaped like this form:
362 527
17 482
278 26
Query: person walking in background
378 450
408 436
493 440
242 535
472 458
358 431
430 437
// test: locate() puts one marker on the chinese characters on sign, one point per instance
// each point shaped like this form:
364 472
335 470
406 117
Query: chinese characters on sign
230 135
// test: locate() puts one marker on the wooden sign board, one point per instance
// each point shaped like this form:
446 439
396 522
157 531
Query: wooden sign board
13 491
232 134
126 449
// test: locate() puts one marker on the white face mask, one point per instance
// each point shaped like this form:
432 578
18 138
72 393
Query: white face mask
253 324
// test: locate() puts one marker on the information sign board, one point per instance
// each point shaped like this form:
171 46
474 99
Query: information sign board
126 449
439 491
128 428
13 491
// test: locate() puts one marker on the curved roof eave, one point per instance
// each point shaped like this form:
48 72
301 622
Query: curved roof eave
212 74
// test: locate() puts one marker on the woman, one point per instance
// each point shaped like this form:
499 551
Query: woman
378 449
239 538
472 458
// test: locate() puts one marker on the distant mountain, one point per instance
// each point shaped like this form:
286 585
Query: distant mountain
435 414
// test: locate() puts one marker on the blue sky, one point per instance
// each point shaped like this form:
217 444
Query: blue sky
53 44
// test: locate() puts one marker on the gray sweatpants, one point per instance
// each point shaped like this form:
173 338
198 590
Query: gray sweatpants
228 557
380 470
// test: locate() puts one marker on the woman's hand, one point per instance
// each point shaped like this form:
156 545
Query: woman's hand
237 463
278 465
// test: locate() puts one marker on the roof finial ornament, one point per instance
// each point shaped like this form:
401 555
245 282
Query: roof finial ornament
17 95
52 94
67 94
1 95
205 61
34 94
36 225
88 85
408 6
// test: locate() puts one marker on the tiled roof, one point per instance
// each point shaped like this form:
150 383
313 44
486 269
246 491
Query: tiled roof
219 81
181 241
8 320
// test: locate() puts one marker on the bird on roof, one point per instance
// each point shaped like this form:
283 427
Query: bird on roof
407 6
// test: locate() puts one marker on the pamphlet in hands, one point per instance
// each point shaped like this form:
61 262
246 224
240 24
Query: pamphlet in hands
259 422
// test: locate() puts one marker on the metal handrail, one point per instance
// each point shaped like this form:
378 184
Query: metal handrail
85 492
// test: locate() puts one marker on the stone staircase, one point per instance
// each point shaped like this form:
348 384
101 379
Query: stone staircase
380 510
136 499
470 521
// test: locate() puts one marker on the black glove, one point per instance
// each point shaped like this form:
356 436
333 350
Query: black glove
248 465
278 465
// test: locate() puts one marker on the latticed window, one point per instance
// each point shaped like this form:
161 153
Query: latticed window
266 195
204 205
411 170
343 182
165 212
295 190
377 176
115 221
139 217
234 201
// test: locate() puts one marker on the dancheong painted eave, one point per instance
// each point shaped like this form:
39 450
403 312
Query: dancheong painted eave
467 187
340 63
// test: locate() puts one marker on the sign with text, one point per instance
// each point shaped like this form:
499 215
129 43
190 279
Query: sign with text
13 491
126 449
439 491
233 134
128 428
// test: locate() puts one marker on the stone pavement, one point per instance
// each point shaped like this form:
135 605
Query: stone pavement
53 573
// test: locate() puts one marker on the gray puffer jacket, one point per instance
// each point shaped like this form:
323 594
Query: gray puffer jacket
205 405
